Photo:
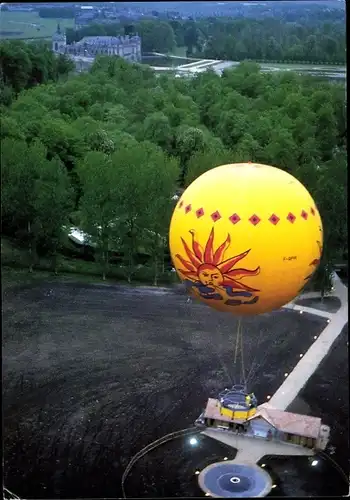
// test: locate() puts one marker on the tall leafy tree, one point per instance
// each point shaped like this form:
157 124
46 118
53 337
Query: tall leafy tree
163 176
99 204
20 164
53 204
37 197
134 167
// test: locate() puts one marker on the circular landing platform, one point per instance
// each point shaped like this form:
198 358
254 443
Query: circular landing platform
230 480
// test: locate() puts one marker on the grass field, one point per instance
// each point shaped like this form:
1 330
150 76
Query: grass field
179 52
17 25
15 260
315 66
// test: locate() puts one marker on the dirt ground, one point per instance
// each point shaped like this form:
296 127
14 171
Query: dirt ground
91 374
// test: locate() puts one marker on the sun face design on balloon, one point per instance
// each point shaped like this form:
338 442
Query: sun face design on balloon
214 277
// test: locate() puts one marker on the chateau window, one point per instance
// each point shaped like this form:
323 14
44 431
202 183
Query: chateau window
56 46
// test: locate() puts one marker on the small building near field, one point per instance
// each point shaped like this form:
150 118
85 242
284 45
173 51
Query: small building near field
265 422
297 429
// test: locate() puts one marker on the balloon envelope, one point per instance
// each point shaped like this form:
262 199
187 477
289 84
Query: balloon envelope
245 238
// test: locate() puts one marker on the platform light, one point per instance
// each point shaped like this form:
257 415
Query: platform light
328 320
301 355
274 486
286 374
301 312
268 397
315 337
207 494
314 463
225 458
197 472
263 465
193 441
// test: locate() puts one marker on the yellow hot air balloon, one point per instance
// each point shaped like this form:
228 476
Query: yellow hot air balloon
245 238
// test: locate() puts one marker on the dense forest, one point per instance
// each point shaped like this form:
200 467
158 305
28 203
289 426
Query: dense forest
107 150
235 39
25 65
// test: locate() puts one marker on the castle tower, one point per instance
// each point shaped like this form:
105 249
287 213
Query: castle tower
59 41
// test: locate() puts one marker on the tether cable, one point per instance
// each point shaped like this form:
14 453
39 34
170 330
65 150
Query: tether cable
239 351
237 340
242 359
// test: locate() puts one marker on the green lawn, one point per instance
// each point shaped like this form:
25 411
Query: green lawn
315 66
15 260
29 25
179 51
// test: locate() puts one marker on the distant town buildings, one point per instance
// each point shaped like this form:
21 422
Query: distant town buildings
127 47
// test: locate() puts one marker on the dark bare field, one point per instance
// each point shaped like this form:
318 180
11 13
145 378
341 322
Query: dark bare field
91 374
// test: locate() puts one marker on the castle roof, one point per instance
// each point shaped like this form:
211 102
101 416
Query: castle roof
108 40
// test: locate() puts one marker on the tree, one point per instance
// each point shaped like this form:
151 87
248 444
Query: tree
247 149
19 173
331 199
135 168
10 128
203 161
120 121
188 141
163 175
190 36
281 150
178 31
231 127
15 65
53 204
36 196
61 140
118 116
24 65
57 13
157 36
99 204
63 65
326 131
157 129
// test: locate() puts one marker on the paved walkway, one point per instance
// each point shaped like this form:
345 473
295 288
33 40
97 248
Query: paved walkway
309 363
310 310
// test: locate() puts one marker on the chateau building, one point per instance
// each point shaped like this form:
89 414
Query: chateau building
128 47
